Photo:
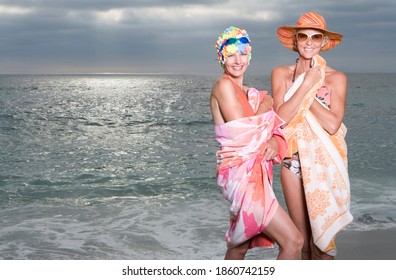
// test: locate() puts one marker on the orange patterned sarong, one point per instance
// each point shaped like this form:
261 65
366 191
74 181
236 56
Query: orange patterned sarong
244 177
324 166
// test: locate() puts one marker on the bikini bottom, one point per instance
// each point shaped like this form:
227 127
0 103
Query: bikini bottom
293 164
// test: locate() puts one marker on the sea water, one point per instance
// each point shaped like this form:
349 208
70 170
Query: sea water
123 166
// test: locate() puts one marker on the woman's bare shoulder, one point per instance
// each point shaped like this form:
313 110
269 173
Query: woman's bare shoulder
334 76
282 70
223 89
220 84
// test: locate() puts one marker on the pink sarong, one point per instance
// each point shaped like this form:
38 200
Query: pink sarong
324 167
244 177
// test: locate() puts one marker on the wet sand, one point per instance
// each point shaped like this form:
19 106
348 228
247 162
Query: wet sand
366 245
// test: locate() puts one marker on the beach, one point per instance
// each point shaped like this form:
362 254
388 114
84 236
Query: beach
367 245
122 167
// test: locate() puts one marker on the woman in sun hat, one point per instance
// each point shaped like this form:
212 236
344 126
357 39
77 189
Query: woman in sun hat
250 142
310 97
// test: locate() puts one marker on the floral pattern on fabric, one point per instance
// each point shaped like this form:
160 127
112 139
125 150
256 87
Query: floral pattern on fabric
324 171
244 178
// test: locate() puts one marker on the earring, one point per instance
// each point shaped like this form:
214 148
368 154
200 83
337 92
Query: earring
325 40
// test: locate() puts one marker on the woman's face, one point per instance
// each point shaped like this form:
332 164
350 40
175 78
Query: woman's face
309 42
236 64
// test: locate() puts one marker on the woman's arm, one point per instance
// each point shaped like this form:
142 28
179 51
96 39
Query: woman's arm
330 120
265 105
287 110
224 103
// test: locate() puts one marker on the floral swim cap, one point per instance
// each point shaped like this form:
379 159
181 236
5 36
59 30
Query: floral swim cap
233 40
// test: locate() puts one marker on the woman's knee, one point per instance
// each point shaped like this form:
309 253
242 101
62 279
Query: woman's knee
299 242
294 242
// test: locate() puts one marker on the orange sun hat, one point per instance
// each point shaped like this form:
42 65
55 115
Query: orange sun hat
309 20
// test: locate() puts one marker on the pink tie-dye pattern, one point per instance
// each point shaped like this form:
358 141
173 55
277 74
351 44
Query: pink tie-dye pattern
244 177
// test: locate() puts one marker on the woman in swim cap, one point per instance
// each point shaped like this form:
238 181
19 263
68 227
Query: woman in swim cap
250 142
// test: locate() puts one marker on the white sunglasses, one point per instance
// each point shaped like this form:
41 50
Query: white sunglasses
315 38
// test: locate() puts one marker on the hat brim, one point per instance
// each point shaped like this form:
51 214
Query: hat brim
286 37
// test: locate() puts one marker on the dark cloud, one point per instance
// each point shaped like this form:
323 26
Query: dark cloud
103 4
179 36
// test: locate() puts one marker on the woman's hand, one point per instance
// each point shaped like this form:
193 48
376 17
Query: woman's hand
271 150
313 76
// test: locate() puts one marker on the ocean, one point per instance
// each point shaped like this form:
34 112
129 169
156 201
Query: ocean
123 166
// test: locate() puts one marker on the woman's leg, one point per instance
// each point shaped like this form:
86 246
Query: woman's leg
317 254
286 234
293 191
238 252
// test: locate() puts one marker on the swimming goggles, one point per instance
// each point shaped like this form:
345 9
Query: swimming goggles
231 41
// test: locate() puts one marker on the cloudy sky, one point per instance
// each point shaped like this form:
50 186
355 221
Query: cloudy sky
178 36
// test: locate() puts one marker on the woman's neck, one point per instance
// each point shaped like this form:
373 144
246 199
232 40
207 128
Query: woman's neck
302 65
238 80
